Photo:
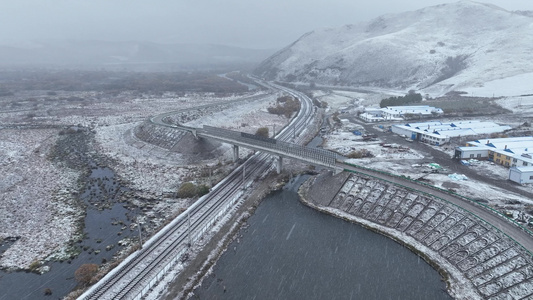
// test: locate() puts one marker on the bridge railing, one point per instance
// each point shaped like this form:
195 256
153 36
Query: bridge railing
322 156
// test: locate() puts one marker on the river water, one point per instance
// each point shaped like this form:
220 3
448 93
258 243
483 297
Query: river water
290 251
103 228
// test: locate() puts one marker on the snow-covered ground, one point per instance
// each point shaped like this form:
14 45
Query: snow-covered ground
37 202
37 198
345 142
473 43
512 86
518 104
403 161
246 117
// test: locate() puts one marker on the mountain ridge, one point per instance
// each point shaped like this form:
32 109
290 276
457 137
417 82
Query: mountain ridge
437 48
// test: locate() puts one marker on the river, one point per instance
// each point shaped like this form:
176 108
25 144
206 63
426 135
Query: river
290 251
106 223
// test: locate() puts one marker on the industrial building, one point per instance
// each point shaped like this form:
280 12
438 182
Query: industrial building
392 113
514 152
509 152
438 133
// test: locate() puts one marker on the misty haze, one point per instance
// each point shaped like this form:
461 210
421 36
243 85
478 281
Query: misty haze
264 150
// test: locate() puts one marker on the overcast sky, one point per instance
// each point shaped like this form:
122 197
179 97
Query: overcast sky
245 23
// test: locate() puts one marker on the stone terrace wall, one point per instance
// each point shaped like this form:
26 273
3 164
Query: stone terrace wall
497 267
161 136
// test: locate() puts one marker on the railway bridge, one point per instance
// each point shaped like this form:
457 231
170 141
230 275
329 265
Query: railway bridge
281 149
278 148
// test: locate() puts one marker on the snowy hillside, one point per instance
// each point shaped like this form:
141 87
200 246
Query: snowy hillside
440 48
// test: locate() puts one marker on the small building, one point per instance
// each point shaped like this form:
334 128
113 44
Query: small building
398 113
521 175
471 153
509 152
372 115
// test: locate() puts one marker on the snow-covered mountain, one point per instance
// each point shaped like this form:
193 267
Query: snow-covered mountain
97 54
438 49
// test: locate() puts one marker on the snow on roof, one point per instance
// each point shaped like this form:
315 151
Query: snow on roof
523 169
423 124
524 139
517 147
455 128
415 109
471 149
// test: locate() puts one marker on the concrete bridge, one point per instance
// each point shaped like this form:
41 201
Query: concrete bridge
281 149
278 148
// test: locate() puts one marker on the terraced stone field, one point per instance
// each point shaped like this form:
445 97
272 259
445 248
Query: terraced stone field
497 266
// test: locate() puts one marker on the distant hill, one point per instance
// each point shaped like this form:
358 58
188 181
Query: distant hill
129 55
438 49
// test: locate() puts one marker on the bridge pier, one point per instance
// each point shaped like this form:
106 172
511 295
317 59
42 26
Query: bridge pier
279 164
235 153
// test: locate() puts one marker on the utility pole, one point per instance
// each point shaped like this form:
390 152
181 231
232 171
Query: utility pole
243 176
210 177
189 229
140 236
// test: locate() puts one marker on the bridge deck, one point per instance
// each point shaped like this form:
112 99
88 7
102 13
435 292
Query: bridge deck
312 155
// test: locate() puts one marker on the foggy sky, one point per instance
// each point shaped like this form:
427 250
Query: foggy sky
245 23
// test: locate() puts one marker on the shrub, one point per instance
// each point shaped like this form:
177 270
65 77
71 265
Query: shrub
285 105
411 97
85 273
187 190
35 265
262 131
360 154
202 190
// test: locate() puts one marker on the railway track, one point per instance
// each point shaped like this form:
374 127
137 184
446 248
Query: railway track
134 277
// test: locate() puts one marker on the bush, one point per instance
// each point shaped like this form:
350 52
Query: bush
285 105
35 265
85 273
262 131
202 190
187 190
360 154
411 97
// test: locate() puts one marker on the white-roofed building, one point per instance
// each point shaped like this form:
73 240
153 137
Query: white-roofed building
391 113
510 152
521 174
438 133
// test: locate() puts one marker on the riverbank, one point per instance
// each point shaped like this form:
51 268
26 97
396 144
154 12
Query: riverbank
458 286
203 257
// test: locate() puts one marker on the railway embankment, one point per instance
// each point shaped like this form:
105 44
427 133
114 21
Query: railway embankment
476 259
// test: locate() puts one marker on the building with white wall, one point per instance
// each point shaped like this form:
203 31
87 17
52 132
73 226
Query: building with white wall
509 152
439 133
392 113
521 175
